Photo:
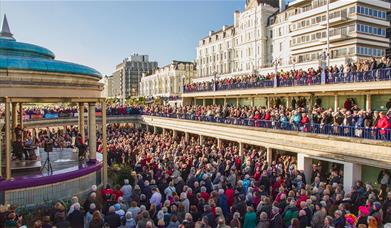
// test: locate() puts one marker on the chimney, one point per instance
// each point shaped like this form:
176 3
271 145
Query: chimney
282 5
210 32
236 18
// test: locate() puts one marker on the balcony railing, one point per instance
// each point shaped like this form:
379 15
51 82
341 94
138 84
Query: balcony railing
324 129
383 74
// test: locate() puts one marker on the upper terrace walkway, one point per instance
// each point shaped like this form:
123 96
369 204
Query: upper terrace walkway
375 77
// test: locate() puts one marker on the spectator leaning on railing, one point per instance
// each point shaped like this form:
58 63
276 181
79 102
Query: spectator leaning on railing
363 70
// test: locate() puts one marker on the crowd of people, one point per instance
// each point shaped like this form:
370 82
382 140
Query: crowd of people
349 72
185 184
347 121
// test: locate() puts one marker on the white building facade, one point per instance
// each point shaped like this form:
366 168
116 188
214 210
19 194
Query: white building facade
297 35
167 81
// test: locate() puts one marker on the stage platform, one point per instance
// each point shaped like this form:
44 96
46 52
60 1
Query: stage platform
60 158
69 177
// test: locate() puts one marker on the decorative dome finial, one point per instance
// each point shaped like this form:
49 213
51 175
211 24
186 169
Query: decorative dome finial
5 30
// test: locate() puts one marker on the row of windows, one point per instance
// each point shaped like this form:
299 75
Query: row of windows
370 51
371 12
371 30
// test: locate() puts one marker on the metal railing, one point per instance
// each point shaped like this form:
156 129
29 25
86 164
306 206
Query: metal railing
325 129
383 74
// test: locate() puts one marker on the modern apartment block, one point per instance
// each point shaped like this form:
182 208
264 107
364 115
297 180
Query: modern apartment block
295 35
127 76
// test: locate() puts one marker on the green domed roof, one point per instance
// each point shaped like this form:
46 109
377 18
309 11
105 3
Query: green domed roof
23 56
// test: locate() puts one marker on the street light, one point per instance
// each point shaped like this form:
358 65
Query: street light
276 62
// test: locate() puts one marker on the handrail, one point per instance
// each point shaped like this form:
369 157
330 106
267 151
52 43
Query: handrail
383 74
325 129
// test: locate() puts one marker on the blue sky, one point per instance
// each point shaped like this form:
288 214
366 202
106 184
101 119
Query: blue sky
101 34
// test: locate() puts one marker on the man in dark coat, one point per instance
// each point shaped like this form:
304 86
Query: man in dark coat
76 218
112 218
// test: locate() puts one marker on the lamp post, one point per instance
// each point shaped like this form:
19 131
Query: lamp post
275 63
214 80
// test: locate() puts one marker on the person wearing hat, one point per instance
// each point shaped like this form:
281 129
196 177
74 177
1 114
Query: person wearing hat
376 213
363 213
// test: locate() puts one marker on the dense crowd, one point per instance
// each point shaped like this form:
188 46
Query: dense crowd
310 76
184 184
347 121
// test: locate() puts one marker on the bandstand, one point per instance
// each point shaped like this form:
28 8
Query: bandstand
30 74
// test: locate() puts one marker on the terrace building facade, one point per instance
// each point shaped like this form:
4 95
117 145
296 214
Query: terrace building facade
167 81
297 35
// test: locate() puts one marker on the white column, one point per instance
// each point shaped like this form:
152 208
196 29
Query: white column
187 137
92 131
164 131
214 101
288 102
268 102
310 102
335 102
225 101
368 103
351 174
252 102
104 143
237 102
203 102
269 155
174 134
7 140
81 122
219 143
241 149
202 139
304 163
154 129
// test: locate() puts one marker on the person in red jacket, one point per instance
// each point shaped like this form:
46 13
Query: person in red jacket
384 126
305 122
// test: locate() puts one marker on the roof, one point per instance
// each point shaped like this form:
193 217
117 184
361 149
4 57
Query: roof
29 57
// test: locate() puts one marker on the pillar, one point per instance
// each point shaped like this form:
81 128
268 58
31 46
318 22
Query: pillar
351 174
81 122
241 149
310 102
154 129
304 164
288 102
202 139
34 134
214 101
203 102
237 102
269 155
368 102
187 137
7 140
14 120
252 101
174 134
195 101
335 102
92 131
164 131
104 142
225 101
219 143
268 102
21 116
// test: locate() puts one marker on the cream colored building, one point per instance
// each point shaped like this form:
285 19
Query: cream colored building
241 47
167 81
357 29
295 36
